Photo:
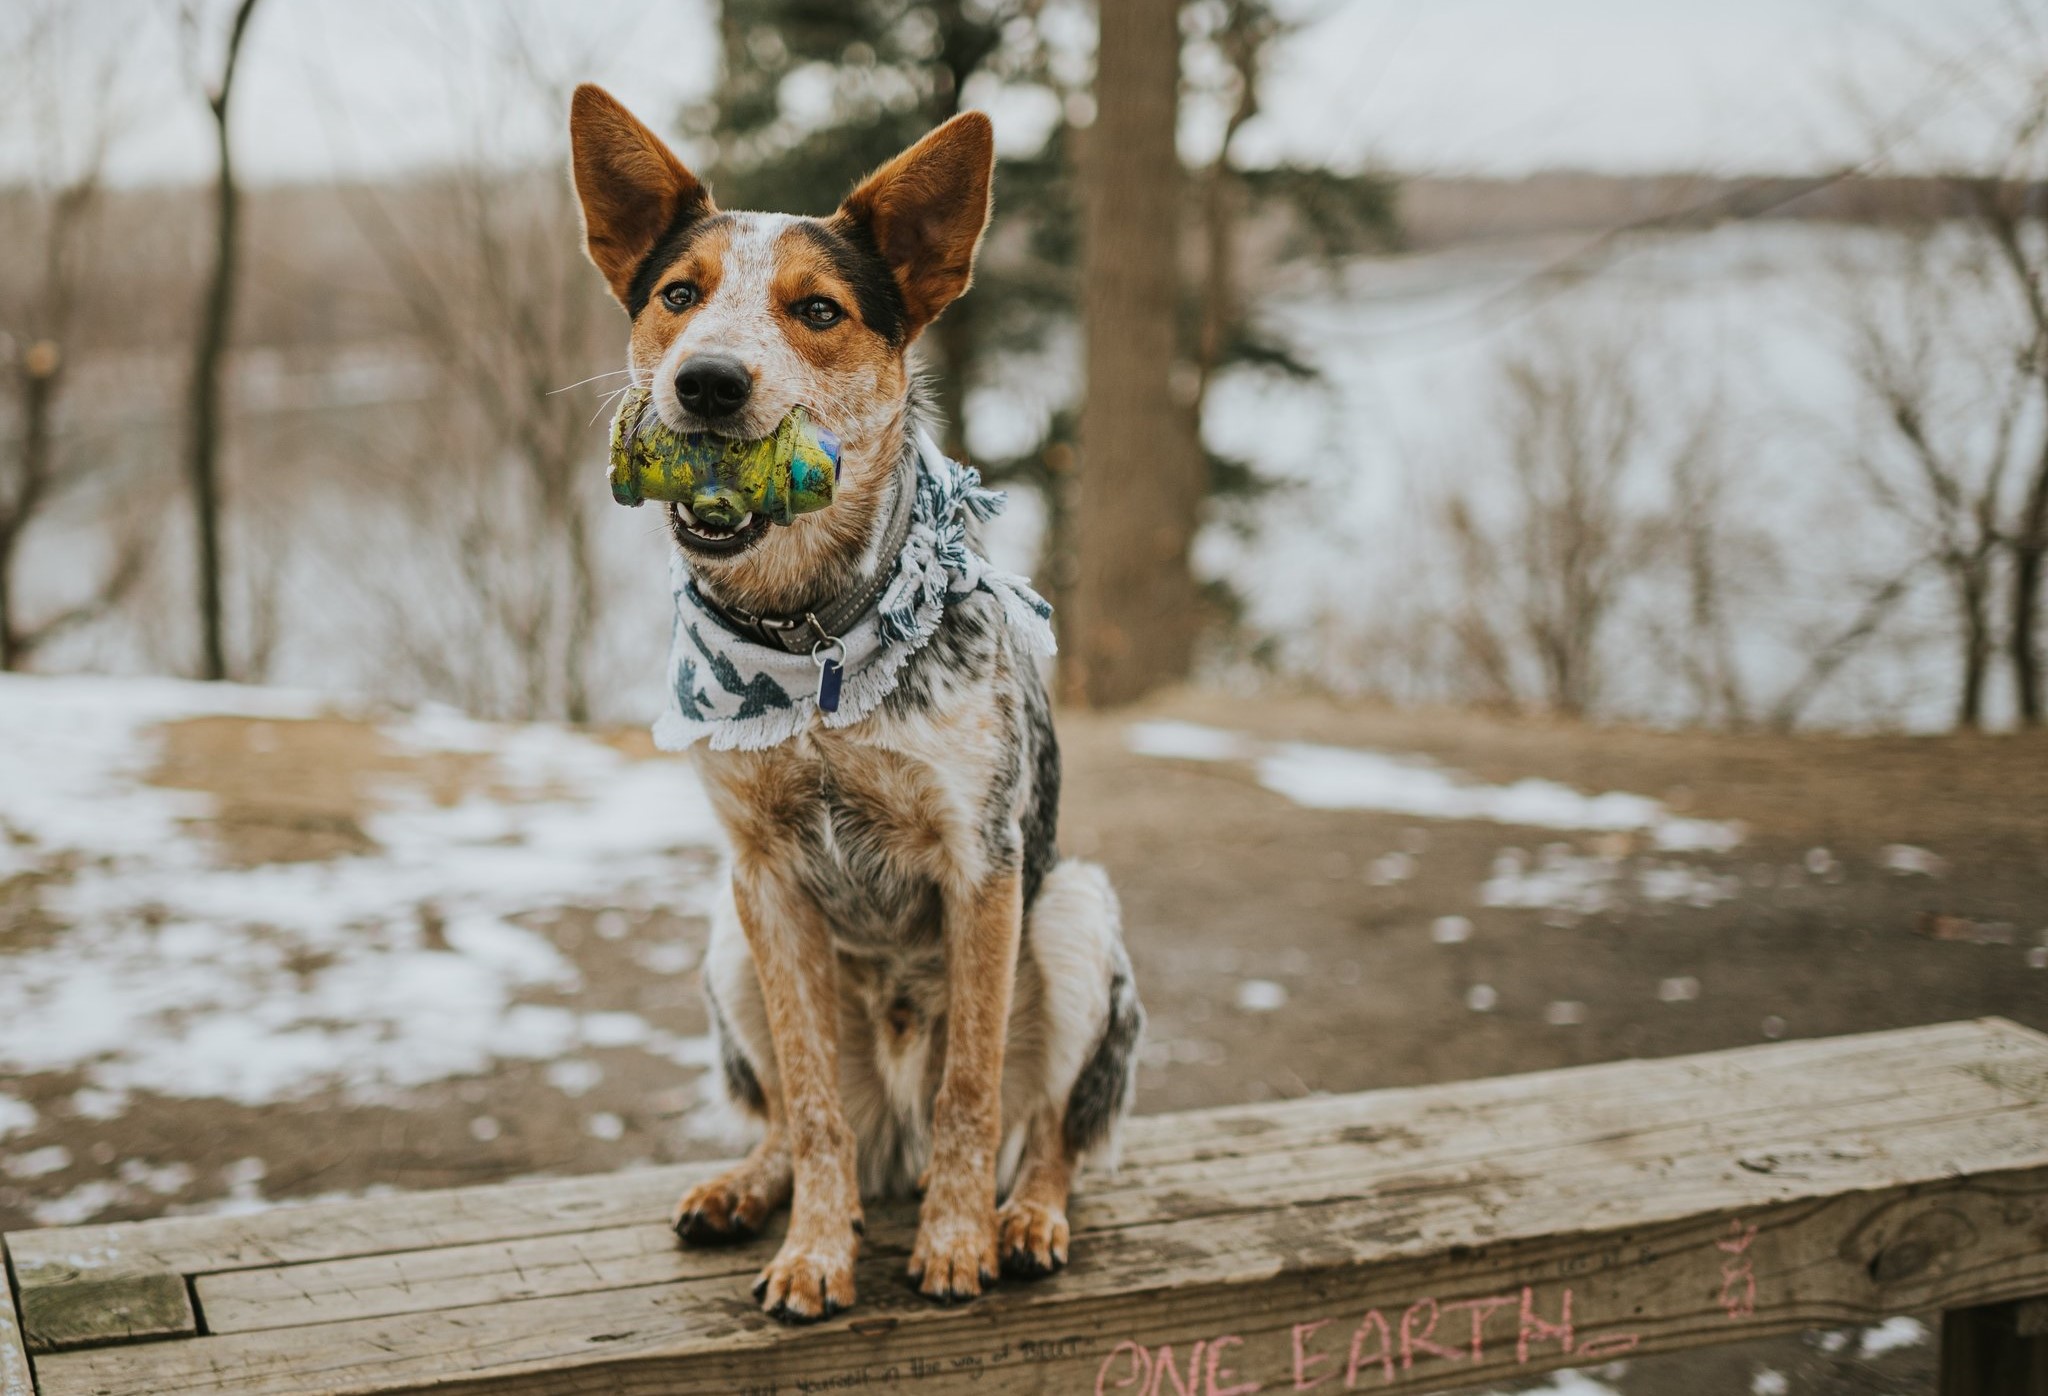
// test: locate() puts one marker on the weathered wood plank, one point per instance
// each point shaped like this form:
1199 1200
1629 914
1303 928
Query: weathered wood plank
1618 1096
1248 1289
1870 1127
15 1378
1668 1204
87 1304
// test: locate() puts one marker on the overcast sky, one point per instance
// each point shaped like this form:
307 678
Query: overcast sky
1495 86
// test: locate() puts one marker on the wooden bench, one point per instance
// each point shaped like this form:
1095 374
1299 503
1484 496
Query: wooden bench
1410 1240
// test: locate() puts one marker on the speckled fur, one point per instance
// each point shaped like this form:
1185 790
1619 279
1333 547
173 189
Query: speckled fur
907 982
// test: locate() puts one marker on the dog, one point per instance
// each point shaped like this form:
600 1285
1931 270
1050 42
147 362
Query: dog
910 988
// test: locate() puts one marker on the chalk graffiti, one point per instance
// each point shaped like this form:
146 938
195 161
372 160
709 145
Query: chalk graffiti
1738 1278
1381 1350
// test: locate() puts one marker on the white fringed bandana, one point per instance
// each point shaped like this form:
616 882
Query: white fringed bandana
735 692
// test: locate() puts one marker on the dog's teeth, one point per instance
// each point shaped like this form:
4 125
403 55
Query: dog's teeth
749 518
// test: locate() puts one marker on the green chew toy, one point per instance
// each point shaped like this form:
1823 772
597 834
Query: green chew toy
719 479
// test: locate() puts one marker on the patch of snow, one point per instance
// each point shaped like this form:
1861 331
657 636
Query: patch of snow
1188 741
371 973
1261 996
1901 1331
1390 868
1481 998
574 1076
1906 860
1681 989
16 1116
37 1163
91 1103
483 1129
1768 1381
605 1125
1562 879
81 1204
666 957
1450 930
166 1181
1565 1013
1331 777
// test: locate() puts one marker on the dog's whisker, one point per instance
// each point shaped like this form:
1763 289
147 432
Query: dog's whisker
610 373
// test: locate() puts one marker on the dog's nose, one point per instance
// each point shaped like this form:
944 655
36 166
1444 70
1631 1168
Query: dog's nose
712 385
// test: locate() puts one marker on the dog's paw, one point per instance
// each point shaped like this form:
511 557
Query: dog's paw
726 1210
955 1256
1033 1239
808 1281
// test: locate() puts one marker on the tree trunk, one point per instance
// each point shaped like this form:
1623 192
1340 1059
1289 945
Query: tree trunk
1135 600
1973 587
41 363
202 446
2029 561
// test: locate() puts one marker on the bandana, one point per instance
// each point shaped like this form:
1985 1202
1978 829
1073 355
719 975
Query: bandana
735 692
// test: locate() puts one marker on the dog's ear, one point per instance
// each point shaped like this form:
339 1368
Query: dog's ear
925 211
633 188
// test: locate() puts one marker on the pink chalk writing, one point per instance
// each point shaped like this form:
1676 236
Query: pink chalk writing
1381 1349
1738 1278
1150 1373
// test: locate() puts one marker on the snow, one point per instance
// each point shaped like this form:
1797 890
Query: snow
1261 996
1891 1335
1561 879
1906 860
180 976
16 1116
1332 777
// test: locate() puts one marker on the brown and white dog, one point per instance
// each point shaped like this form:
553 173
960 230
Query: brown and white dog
908 984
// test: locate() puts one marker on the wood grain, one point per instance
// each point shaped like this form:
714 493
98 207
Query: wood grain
15 1379
1407 1240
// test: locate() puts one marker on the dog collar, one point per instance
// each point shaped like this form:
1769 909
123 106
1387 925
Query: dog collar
804 631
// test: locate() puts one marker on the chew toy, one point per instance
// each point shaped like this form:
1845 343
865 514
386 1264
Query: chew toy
722 480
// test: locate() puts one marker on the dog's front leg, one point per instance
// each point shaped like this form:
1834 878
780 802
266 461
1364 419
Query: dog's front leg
955 1255
811 1277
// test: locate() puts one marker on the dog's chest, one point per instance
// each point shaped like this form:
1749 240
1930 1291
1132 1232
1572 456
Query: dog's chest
870 832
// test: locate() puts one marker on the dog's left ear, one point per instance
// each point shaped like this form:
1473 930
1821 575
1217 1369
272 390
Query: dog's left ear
926 210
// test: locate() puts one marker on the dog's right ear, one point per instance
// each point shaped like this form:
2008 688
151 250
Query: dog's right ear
633 189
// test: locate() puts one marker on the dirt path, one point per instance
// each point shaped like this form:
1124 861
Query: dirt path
1281 949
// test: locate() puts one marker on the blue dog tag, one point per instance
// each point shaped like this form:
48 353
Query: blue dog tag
830 672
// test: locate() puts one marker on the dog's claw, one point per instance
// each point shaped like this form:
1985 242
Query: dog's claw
1034 1239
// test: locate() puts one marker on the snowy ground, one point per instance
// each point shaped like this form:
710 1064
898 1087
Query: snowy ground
258 946
146 954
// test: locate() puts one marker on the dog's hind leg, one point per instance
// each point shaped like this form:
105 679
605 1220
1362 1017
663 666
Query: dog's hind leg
1074 1050
735 1205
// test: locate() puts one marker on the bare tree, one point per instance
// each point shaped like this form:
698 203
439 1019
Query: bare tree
488 262
57 207
1134 599
2000 182
1951 406
1546 564
216 319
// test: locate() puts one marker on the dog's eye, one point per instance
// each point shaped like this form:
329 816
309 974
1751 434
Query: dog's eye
819 312
680 296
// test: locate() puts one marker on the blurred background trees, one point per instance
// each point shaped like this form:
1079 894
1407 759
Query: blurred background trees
1234 451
